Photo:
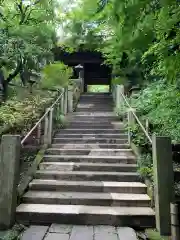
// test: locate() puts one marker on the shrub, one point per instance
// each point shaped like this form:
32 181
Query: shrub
18 115
159 103
56 75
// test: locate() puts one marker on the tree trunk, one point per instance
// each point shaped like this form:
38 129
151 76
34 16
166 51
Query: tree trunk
6 82
5 91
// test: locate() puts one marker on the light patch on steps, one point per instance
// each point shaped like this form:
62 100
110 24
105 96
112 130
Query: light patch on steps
85 105
81 209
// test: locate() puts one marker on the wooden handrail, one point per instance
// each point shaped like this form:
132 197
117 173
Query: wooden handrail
137 119
42 118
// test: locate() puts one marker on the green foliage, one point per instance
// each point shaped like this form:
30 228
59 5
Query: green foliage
145 166
139 39
18 116
154 235
56 75
159 103
145 162
14 233
27 36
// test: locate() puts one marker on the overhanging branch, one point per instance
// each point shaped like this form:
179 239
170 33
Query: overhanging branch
15 73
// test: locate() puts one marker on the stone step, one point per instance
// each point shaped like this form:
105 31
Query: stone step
90 140
82 125
90 151
90 159
95 114
100 122
94 118
92 136
86 106
97 99
70 166
89 131
88 186
88 176
93 199
94 109
86 103
97 95
135 217
89 146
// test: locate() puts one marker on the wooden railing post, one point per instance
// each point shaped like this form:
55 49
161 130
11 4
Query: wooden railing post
62 103
65 101
114 92
147 125
46 128
70 99
163 182
50 127
9 178
81 76
131 122
119 97
39 133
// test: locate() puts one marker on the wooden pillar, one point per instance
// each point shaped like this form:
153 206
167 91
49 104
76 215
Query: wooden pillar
131 122
110 88
114 92
46 128
147 125
81 76
9 179
118 97
50 127
39 133
163 182
70 99
62 103
85 87
65 101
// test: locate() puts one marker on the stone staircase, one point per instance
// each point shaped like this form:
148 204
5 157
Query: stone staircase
88 175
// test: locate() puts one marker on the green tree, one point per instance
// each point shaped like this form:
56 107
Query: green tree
26 39
138 38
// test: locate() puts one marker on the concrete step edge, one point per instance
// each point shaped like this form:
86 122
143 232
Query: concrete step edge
53 172
90 164
95 139
92 144
94 135
90 196
68 166
91 149
89 183
88 186
92 129
89 157
81 209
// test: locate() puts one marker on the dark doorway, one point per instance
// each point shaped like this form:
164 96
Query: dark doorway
95 71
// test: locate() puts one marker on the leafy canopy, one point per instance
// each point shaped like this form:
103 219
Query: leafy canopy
136 36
